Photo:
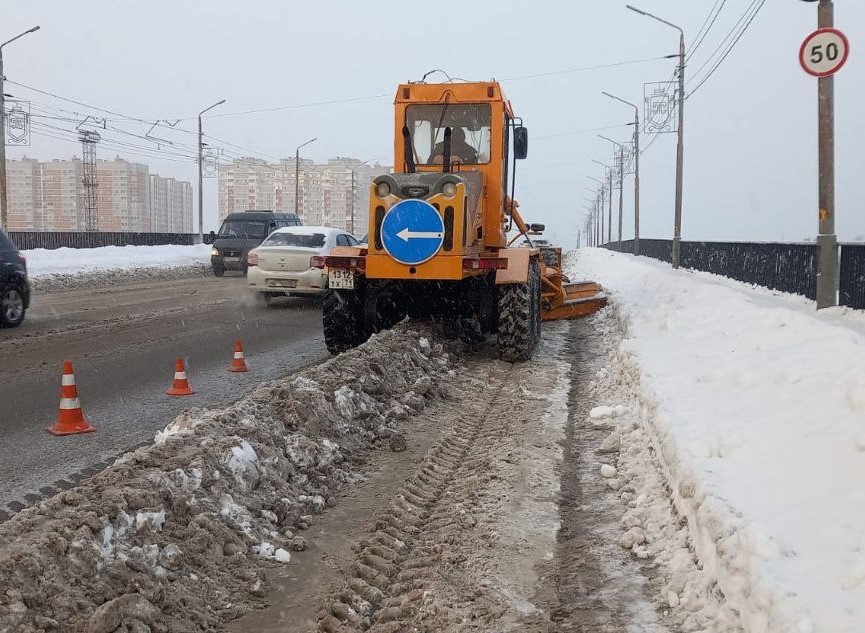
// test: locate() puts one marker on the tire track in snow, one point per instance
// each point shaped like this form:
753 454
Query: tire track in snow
392 568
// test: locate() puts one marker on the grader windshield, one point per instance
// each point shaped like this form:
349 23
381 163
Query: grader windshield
470 132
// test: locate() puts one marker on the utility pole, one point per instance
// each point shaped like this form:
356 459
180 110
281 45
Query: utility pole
621 189
4 200
827 241
297 176
609 185
621 161
636 170
201 172
610 204
600 223
680 144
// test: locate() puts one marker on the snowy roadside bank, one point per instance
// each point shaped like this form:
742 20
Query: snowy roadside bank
754 408
70 268
174 536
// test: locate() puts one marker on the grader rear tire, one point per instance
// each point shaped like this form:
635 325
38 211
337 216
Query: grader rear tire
341 320
520 317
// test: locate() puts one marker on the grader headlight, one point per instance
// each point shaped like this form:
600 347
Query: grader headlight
449 189
382 190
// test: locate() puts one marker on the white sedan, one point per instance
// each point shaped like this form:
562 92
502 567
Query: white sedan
290 261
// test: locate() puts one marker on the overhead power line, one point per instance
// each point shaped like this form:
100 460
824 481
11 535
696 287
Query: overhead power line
585 68
724 42
729 48
701 35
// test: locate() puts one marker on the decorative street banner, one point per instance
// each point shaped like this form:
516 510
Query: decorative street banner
660 107
628 156
210 162
17 123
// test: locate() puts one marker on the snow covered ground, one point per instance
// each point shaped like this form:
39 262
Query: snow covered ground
67 261
755 408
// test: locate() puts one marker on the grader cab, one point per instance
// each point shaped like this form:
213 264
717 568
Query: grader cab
438 243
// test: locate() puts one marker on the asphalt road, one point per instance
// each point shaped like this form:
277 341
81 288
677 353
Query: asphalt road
123 342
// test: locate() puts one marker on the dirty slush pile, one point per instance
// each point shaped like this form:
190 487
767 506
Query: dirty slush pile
114 277
174 536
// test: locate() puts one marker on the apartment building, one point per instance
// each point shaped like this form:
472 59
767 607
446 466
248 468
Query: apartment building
179 206
123 193
49 196
335 193
170 205
24 180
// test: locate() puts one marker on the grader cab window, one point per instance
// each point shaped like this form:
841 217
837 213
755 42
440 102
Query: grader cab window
470 132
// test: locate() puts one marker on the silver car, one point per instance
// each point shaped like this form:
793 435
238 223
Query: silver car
290 261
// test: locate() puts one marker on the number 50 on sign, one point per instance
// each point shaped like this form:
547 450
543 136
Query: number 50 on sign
824 52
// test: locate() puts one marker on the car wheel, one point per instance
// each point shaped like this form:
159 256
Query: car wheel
11 307
218 271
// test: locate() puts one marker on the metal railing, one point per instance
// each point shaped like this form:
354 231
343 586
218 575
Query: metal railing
786 267
26 240
851 281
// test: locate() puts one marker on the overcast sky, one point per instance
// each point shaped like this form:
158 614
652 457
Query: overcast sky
750 130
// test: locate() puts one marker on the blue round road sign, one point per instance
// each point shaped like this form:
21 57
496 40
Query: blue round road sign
412 232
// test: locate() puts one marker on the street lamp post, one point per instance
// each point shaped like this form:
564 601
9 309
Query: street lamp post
297 174
201 171
4 200
636 170
680 150
591 208
600 206
621 181
609 172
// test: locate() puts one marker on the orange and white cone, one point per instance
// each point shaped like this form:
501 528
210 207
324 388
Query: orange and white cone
239 362
180 386
71 419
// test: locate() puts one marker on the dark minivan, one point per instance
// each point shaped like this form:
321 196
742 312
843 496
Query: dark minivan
241 232
14 285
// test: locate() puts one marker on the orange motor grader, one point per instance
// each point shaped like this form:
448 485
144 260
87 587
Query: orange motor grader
438 243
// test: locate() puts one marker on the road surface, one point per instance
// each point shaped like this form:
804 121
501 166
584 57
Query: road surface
123 342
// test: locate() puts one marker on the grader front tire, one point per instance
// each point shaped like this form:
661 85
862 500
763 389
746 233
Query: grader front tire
520 317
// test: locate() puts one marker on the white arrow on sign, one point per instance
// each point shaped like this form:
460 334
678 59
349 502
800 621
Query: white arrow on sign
406 235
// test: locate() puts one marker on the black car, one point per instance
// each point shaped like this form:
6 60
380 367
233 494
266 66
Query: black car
241 232
14 285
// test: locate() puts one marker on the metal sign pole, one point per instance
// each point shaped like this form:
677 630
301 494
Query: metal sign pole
827 241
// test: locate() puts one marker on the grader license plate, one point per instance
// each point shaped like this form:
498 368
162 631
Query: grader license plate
340 279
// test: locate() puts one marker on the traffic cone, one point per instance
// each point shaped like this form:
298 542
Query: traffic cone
70 420
180 386
239 362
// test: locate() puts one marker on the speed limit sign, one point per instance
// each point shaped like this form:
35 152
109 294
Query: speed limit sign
824 52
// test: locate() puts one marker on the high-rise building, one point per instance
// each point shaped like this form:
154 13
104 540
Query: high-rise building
62 196
123 193
179 194
23 177
50 197
170 205
159 218
333 194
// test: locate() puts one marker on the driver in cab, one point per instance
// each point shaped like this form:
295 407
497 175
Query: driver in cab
460 150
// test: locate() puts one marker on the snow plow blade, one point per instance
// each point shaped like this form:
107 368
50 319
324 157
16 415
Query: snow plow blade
572 300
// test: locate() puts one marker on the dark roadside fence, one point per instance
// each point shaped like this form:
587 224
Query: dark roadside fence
26 240
787 267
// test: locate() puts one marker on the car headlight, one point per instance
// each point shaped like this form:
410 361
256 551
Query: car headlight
449 189
214 252
382 189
